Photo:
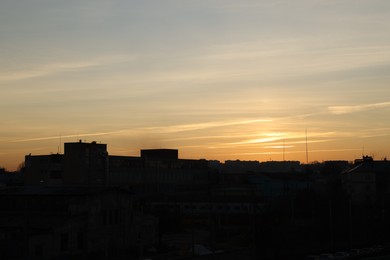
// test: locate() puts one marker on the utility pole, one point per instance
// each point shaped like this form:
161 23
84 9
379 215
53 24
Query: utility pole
307 150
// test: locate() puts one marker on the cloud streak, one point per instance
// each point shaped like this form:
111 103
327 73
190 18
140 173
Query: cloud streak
201 126
295 152
161 130
339 110
66 136
60 67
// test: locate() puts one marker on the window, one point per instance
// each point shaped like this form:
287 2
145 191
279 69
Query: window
110 217
56 174
64 242
116 216
80 240
39 250
104 217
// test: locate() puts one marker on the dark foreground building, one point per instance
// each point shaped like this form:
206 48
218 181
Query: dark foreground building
72 223
368 182
85 164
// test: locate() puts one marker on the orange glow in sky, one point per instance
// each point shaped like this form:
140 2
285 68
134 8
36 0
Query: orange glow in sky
215 79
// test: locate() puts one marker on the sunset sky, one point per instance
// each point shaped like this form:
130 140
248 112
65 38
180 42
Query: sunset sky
216 79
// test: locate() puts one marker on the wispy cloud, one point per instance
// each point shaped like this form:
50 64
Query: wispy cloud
357 108
59 67
200 126
375 132
334 150
278 146
288 138
160 130
66 136
297 151
259 140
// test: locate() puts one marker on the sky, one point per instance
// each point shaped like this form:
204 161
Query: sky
216 79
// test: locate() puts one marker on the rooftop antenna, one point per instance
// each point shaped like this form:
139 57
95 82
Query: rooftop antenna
307 150
60 144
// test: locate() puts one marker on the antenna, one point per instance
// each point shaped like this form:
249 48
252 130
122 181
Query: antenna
60 143
284 150
307 150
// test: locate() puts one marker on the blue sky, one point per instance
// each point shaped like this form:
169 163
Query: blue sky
215 79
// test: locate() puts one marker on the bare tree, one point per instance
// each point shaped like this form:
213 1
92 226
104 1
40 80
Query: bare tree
21 167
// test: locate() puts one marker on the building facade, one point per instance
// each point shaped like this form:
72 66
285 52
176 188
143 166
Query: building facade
368 181
88 164
72 223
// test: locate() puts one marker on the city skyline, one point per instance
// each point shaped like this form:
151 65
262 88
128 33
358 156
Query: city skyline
220 80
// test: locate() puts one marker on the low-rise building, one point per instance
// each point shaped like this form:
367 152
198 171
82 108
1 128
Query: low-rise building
275 185
45 170
368 181
86 164
72 222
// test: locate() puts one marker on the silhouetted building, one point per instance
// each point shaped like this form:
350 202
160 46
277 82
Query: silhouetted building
72 222
158 170
81 164
238 166
156 174
334 167
274 185
11 179
160 154
45 170
126 170
368 181
280 166
85 164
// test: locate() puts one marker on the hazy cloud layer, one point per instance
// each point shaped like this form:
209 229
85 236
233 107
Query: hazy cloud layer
218 79
358 108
